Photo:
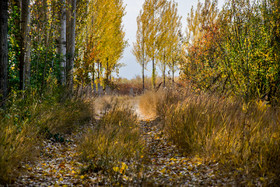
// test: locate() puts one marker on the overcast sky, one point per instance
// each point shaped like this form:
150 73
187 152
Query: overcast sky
132 68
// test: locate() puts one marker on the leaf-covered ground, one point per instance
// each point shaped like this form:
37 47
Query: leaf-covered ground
59 165
166 166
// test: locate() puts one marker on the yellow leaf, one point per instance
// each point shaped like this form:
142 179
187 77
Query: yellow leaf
60 179
82 177
163 170
123 168
125 178
116 169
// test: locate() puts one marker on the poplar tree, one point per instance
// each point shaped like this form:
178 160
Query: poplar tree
140 46
153 10
168 37
61 49
70 42
104 39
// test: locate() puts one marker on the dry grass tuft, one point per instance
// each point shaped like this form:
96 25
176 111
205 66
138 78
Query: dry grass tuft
148 104
115 138
28 119
106 103
17 144
65 117
236 134
153 104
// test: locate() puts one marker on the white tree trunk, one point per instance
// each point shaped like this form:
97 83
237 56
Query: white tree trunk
62 42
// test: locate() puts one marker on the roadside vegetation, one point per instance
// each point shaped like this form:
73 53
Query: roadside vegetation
243 137
29 118
113 142
65 118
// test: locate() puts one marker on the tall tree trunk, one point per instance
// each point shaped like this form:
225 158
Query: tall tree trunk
107 70
62 42
46 43
27 39
154 74
24 43
93 75
164 69
143 75
3 51
98 70
70 44
173 72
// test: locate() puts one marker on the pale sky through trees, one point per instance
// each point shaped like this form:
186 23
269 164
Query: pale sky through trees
132 68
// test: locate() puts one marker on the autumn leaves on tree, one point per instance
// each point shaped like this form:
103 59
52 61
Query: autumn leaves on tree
158 37
76 42
101 41
234 50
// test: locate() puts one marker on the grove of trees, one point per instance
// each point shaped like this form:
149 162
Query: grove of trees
158 36
235 50
72 41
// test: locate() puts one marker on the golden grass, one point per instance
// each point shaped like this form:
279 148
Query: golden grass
114 139
148 104
106 103
28 119
236 134
65 117
17 144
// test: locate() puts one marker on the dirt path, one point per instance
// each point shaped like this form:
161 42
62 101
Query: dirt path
59 165
166 166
